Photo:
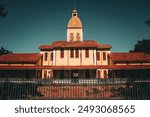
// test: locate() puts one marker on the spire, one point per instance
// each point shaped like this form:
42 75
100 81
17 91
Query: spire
74 12
74 4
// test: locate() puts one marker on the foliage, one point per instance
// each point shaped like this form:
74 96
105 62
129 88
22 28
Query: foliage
142 46
4 51
147 22
2 12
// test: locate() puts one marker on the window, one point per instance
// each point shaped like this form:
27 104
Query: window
99 74
45 74
77 53
51 56
71 37
104 56
105 74
45 57
71 53
98 55
78 36
87 53
62 53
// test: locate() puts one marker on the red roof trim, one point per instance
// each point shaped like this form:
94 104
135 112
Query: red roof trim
20 58
110 67
81 44
130 57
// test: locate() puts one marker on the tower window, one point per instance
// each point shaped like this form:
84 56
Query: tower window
71 53
78 36
45 57
87 53
71 37
62 53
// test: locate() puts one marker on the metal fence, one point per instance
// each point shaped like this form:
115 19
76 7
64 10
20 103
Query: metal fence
33 89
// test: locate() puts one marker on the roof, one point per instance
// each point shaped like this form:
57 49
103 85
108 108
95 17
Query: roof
78 44
110 67
20 58
130 57
75 21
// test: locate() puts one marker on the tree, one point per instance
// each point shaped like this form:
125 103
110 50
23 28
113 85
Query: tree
142 46
2 12
147 22
4 51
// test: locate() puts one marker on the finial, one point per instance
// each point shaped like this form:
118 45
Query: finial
74 4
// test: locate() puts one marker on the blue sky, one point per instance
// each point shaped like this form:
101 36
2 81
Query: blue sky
31 23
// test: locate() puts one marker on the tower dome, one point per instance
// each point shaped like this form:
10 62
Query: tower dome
75 21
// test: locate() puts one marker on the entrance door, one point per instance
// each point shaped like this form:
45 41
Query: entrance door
74 76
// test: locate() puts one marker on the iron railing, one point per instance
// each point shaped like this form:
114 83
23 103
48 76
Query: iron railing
124 89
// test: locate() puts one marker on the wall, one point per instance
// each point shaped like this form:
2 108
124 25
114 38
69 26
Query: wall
101 61
67 60
48 62
74 31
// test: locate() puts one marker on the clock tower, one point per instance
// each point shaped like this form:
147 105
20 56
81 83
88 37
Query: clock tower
74 28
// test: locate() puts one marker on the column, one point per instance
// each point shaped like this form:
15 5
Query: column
54 57
94 57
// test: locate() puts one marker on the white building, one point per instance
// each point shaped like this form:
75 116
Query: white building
75 57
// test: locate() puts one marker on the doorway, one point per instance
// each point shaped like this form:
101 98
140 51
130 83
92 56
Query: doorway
74 76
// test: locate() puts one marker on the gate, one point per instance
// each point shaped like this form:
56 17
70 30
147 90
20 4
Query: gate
67 89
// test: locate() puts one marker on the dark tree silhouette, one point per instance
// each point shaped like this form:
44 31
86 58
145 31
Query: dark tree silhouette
142 46
4 51
147 22
2 12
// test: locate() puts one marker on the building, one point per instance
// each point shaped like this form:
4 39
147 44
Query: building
74 58
129 65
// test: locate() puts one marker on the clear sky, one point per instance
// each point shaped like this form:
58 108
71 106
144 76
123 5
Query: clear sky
31 23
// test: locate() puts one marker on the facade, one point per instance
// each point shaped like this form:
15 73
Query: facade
75 55
74 58
130 65
20 65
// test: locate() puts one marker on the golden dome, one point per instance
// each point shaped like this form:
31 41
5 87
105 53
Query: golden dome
75 21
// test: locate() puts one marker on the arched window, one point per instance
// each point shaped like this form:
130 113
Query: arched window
99 74
78 36
71 37
105 74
